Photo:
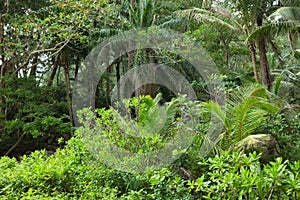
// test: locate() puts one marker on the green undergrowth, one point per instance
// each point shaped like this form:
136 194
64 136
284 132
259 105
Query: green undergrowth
72 173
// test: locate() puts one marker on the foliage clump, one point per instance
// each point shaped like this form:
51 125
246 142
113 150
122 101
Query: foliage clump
73 173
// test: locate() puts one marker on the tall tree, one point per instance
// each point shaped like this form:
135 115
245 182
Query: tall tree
249 14
284 20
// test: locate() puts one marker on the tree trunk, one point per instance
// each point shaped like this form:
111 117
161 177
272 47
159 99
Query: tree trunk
265 71
108 70
1 48
1 59
34 66
264 65
151 86
251 47
292 46
67 80
34 62
129 43
53 73
227 51
118 79
77 66
129 55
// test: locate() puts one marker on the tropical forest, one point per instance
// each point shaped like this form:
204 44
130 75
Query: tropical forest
149 99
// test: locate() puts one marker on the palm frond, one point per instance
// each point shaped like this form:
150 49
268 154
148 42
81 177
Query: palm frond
281 21
205 16
291 14
254 141
173 22
276 86
216 111
290 3
274 29
246 110
246 119
143 14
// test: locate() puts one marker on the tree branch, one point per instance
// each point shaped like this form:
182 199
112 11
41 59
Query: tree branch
43 50
14 146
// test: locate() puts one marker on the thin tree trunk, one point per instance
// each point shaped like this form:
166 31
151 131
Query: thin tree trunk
34 63
129 55
118 79
292 45
1 59
58 74
67 80
34 68
129 43
14 146
53 73
227 51
77 65
1 47
264 65
108 70
151 86
265 71
252 50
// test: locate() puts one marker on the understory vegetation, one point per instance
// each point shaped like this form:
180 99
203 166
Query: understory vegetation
234 135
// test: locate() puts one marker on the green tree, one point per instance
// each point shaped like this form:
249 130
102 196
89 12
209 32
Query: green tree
244 17
41 41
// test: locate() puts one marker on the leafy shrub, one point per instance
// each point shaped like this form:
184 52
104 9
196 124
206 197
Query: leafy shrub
73 174
141 126
285 127
31 110
238 176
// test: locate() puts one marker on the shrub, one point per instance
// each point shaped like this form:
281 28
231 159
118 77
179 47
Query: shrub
73 174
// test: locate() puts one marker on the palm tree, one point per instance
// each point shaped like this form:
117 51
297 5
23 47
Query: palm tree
219 18
222 20
246 110
250 15
284 20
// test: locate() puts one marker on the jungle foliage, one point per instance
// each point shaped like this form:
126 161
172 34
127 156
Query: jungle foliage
256 153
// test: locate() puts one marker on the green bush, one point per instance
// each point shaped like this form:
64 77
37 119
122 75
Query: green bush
285 128
33 111
73 174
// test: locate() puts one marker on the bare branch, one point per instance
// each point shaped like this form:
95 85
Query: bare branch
40 51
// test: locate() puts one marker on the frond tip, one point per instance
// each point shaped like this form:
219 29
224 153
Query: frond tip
215 17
